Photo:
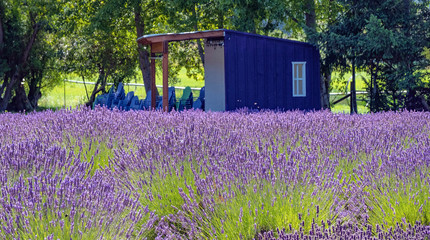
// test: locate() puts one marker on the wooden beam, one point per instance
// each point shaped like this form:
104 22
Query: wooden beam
157 47
166 76
153 87
343 98
160 38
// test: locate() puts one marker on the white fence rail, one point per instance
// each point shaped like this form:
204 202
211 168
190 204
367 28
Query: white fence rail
160 86
358 93
125 84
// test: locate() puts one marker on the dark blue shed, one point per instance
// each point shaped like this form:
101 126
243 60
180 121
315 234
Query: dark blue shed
249 70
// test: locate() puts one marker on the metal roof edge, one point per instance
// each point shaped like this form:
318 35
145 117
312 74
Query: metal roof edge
224 34
267 37
178 34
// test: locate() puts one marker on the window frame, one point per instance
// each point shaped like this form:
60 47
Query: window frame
303 78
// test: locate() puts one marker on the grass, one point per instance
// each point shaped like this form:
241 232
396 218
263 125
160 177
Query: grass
70 94
344 105
339 82
393 201
267 204
164 192
298 208
64 224
55 98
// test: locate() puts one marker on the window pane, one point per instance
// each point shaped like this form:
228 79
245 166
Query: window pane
295 70
295 87
300 83
300 70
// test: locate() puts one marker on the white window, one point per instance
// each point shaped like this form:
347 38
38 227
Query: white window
299 79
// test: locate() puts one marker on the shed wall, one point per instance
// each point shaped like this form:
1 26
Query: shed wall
258 73
214 78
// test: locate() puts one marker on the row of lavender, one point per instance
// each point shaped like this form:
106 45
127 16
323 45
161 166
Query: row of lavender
102 174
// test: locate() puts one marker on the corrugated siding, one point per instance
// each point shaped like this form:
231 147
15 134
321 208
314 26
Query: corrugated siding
259 73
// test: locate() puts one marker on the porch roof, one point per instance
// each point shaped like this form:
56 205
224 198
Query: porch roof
170 37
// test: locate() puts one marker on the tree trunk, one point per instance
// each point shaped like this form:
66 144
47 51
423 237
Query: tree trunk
201 51
253 29
220 15
310 15
16 77
394 96
199 42
324 87
8 91
144 63
424 103
13 83
407 8
353 92
20 101
102 80
374 91
85 86
1 35
311 24
5 80
34 93
370 89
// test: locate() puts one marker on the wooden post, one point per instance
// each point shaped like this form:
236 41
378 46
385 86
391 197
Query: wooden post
166 76
64 83
353 98
153 87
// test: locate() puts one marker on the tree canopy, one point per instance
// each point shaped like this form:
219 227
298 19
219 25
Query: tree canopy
388 40
43 40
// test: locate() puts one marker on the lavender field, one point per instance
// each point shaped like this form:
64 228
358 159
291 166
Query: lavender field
101 174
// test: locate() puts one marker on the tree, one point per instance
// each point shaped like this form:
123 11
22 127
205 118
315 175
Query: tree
386 38
188 16
24 26
142 21
43 73
95 44
307 20
254 16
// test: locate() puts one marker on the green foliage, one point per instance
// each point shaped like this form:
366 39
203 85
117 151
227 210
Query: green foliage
96 40
184 55
427 53
261 203
160 191
67 224
407 201
28 51
98 45
255 16
386 44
